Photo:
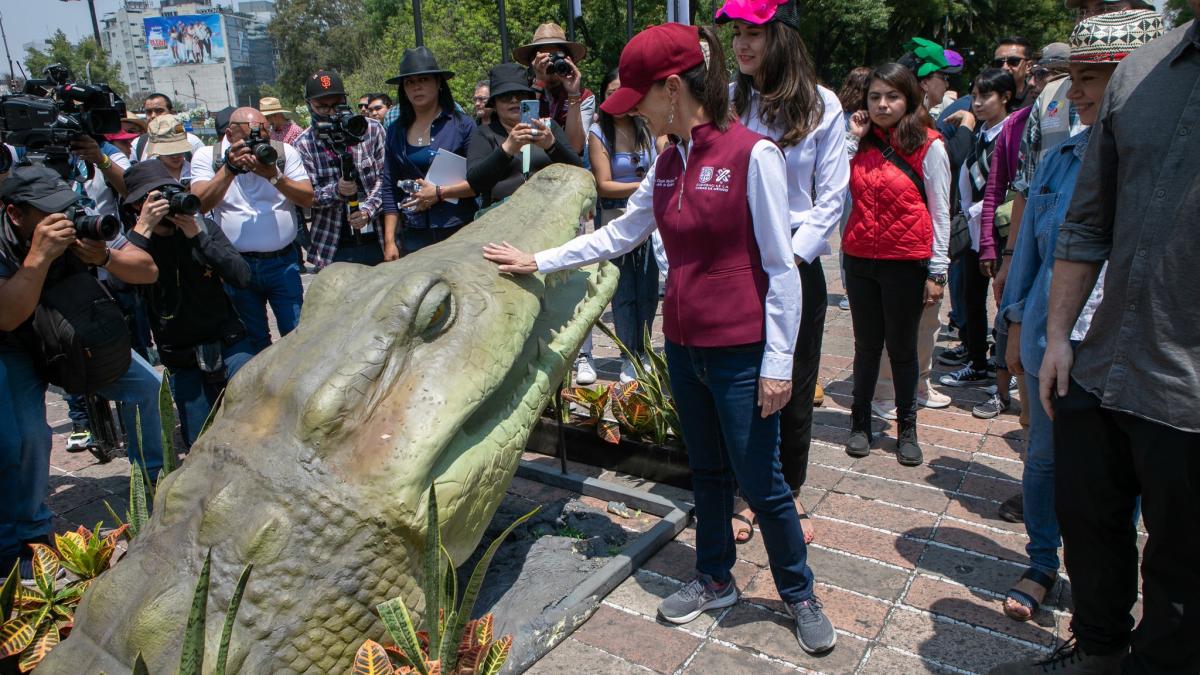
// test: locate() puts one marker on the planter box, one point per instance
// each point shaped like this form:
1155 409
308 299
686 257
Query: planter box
659 463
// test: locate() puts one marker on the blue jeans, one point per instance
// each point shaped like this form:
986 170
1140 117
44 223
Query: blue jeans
636 299
367 253
275 281
1037 484
413 239
24 455
138 390
195 396
730 446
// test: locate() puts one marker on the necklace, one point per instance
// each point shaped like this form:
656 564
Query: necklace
424 139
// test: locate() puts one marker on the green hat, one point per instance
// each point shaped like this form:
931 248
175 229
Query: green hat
931 55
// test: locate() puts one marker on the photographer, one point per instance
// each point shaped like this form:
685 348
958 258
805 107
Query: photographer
564 99
35 237
156 105
254 202
346 214
200 339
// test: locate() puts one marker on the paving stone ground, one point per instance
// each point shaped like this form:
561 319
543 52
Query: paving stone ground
911 563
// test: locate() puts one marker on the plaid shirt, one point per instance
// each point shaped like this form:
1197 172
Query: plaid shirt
329 207
289 134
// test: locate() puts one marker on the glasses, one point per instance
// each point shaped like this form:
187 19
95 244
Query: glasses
480 99
361 106
1011 61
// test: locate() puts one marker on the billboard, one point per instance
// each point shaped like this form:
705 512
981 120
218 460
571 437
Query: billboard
184 40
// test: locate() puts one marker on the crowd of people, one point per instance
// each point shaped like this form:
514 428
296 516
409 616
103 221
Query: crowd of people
1060 185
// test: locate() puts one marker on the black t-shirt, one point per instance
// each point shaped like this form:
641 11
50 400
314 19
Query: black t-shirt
494 175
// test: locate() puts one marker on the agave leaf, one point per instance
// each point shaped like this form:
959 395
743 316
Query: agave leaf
449 581
476 582
400 627
15 635
191 661
372 659
45 567
139 665
139 511
497 654
448 650
8 592
235 601
46 639
166 412
433 573
211 414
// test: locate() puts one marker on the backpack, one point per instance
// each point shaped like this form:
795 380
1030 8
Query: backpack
77 337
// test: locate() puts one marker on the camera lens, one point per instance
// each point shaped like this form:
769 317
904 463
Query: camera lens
265 153
355 125
98 228
184 203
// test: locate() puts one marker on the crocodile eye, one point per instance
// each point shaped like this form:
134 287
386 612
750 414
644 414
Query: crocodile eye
436 312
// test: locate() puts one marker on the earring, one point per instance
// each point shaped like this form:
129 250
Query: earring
671 114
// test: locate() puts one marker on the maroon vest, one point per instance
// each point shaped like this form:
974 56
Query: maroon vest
716 287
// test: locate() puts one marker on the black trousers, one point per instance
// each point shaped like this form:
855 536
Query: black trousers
795 420
886 301
1103 461
975 295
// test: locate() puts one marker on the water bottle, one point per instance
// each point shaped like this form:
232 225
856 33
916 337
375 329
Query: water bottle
411 186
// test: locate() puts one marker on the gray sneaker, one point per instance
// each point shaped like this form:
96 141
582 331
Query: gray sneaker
814 630
992 407
693 599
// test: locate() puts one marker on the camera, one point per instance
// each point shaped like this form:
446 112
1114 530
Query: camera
559 65
88 226
263 151
180 201
343 128
52 112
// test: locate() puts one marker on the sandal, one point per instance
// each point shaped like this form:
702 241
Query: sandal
807 527
1022 598
741 535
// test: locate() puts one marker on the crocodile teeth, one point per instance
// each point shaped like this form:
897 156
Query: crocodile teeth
592 288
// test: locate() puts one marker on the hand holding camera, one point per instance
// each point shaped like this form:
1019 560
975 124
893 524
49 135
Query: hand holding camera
87 149
154 209
91 252
560 65
51 238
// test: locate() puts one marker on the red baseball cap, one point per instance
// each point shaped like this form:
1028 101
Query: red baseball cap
651 56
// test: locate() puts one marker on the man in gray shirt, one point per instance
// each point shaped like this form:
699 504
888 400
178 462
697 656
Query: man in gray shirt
1126 401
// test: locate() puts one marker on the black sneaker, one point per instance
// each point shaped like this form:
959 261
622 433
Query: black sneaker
955 356
1068 659
966 377
992 407
908 451
859 443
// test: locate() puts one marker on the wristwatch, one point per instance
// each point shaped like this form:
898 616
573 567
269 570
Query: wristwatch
939 279
274 180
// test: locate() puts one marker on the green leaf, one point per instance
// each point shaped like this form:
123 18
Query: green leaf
16 635
432 583
400 627
191 661
449 581
139 510
212 414
47 638
166 412
45 568
497 654
8 591
230 615
139 665
449 648
120 522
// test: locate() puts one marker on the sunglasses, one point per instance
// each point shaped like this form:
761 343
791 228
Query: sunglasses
362 106
1012 61
480 99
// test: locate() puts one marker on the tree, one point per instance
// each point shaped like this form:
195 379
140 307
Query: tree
83 59
312 35
1179 12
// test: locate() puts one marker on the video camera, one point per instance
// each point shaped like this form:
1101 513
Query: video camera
52 112
342 129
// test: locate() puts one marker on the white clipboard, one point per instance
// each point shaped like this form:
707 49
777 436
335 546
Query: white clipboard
447 169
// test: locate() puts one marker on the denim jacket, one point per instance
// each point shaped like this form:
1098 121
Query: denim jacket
1027 293
451 132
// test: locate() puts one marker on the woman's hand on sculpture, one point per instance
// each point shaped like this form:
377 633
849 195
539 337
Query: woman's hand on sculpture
773 395
511 259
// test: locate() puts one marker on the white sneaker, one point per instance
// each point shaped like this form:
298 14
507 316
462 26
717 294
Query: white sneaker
885 409
844 304
932 398
585 373
628 374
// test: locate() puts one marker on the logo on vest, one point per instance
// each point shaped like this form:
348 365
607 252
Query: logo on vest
664 182
714 179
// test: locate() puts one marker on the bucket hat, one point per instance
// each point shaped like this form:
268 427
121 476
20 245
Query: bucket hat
419 61
167 137
1109 38
507 78
144 177
759 12
549 34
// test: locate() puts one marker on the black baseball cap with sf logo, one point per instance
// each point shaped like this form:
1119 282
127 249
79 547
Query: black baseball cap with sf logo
324 83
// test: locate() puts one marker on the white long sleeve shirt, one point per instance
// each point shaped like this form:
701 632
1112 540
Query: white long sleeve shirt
766 190
818 175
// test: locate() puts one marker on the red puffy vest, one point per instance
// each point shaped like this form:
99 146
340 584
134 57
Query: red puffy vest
717 286
889 220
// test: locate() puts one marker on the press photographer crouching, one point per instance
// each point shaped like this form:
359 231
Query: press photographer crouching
58 325
200 339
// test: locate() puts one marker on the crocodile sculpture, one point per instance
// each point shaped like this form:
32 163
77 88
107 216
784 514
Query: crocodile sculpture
429 369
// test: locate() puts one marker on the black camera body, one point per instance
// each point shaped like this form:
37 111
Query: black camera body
180 201
343 129
559 65
263 151
88 226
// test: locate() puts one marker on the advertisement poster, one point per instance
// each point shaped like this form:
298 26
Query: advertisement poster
185 40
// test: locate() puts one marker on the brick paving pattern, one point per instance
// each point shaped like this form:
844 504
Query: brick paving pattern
911 563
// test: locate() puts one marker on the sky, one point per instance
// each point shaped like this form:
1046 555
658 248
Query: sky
30 20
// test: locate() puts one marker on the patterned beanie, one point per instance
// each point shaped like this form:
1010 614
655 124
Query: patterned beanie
1109 38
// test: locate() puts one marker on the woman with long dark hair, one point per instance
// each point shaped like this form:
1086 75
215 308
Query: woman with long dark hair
895 246
776 94
621 149
428 122
718 197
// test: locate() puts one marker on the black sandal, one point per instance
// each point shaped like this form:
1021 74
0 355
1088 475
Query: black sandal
1024 599
749 527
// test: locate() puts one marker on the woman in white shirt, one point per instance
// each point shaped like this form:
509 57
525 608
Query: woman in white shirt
776 94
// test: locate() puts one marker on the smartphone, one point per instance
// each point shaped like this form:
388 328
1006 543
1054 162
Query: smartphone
530 110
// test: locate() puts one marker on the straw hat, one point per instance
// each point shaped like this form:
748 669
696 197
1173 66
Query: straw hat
1109 38
270 106
134 119
549 34
167 137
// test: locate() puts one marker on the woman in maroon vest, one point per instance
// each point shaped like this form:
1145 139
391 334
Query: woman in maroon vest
731 311
895 246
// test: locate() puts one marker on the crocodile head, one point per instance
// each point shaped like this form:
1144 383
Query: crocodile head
431 369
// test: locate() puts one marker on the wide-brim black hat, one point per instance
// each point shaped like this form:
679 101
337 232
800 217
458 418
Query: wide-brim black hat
507 78
419 61
144 177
